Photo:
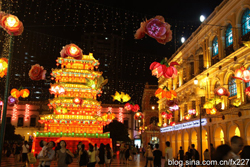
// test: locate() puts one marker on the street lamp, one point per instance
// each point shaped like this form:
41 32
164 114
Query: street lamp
196 81
182 39
202 18
14 27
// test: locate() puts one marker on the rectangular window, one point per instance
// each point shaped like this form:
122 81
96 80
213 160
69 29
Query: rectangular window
8 120
33 122
20 121
232 87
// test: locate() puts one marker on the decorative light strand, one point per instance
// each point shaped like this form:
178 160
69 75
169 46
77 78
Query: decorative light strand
120 117
14 113
27 112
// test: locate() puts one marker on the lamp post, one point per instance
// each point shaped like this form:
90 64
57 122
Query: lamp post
196 83
14 27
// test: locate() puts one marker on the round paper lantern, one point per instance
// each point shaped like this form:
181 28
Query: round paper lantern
12 101
24 93
15 93
12 25
213 111
128 106
135 108
247 91
172 123
77 100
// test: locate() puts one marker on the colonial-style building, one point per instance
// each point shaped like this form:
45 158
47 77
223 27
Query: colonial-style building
209 57
150 112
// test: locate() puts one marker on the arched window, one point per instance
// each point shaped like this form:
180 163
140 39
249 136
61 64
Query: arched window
153 100
215 47
245 22
232 86
229 35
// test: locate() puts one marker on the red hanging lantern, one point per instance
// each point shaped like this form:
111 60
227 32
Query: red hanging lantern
12 24
172 123
213 111
128 106
246 76
135 108
247 91
221 91
238 74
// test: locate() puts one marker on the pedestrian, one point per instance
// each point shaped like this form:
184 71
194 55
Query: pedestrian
122 153
83 156
92 155
245 155
42 153
149 155
62 154
157 156
127 154
181 154
16 152
134 152
223 152
188 155
25 150
97 159
168 154
50 153
194 154
236 145
101 155
108 155
78 148
206 155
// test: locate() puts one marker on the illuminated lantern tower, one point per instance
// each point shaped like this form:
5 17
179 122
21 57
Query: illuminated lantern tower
76 112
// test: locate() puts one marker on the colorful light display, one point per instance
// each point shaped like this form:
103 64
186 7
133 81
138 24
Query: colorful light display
120 118
27 112
76 112
14 113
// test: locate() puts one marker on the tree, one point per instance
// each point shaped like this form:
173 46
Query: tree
10 133
118 131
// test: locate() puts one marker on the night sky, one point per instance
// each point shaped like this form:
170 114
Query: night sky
49 25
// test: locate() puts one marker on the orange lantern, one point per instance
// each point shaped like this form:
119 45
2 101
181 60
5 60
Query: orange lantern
15 93
3 66
24 93
12 25
77 100
213 111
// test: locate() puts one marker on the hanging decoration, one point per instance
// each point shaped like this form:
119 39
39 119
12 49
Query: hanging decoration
221 91
121 97
187 117
156 28
191 111
247 91
165 93
71 50
120 117
12 101
242 74
57 89
24 93
14 112
174 102
37 72
11 24
15 93
174 108
131 106
27 112
172 123
236 102
164 69
138 116
208 105
128 106
135 108
3 67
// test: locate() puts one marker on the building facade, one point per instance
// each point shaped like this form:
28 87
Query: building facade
210 57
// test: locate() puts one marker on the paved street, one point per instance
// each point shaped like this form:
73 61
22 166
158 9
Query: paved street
140 162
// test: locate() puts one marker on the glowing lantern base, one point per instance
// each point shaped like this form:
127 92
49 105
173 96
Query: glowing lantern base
71 141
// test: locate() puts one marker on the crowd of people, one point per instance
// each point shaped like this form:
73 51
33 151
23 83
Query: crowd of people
85 158
236 151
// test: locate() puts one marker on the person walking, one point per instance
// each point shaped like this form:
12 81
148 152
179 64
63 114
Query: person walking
50 153
25 150
223 152
62 154
168 154
149 155
127 154
206 155
83 156
194 154
181 154
101 155
16 151
157 156
236 145
122 153
134 152
92 155
245 155
108 155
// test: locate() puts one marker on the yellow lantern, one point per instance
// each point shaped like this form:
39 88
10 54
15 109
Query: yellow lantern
24 93
3 66
15 93
213 111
